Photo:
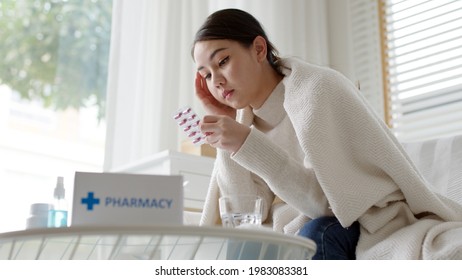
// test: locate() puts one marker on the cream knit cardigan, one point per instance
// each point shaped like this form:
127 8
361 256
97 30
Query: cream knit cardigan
354 167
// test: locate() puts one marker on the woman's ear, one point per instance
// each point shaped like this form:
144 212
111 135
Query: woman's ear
259 45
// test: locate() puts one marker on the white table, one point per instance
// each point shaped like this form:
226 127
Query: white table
156 242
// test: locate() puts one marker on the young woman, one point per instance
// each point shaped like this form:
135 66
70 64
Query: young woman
302 137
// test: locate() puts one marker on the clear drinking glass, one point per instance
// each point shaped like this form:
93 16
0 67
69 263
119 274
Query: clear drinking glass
241 210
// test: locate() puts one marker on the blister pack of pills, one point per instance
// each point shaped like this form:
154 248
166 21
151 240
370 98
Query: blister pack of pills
188 120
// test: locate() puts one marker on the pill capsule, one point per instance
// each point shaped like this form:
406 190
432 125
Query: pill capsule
177 116
197 140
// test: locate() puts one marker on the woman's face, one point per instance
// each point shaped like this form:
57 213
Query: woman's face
232 72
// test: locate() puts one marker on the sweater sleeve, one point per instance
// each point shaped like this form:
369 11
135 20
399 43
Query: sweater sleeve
232 178
288 179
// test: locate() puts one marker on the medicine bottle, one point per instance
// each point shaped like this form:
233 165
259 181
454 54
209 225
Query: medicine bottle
38 217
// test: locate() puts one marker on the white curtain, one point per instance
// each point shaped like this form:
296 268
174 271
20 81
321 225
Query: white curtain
151 70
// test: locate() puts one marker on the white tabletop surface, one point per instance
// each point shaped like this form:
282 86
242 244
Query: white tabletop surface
153 242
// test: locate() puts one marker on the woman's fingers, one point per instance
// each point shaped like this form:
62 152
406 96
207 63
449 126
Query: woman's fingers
201 89
224 132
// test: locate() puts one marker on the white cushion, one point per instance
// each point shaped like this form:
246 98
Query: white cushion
440 162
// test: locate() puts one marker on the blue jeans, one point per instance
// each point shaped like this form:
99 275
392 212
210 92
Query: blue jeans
333 241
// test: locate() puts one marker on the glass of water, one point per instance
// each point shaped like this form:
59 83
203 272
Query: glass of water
238 211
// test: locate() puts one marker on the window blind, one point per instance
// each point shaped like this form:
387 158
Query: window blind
422 50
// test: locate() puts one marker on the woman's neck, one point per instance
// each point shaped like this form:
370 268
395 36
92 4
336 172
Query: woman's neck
270 79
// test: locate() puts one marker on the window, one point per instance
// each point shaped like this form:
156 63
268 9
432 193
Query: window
52 98
422 48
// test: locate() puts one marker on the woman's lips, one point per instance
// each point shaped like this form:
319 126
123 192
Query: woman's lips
227 94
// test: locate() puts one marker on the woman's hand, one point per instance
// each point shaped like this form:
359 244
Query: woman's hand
224 132
211 105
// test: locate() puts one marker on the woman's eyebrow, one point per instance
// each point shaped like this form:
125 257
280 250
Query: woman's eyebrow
212 55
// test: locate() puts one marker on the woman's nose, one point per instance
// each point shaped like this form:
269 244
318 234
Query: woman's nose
218 80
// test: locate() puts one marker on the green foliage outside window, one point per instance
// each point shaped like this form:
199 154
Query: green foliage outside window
56 51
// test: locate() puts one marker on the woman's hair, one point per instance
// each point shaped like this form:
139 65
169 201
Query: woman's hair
239 26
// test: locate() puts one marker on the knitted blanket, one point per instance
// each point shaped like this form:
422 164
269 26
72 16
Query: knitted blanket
364 171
